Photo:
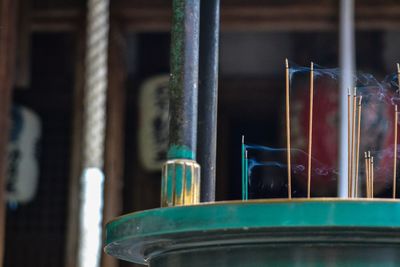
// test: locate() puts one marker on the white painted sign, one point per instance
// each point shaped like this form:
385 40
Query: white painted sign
154 124
23 164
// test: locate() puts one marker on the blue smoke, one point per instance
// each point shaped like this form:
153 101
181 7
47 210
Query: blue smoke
367 85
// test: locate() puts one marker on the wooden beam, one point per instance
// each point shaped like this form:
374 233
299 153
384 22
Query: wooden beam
240 17
8 21
251 15
266 15
115 129
57 20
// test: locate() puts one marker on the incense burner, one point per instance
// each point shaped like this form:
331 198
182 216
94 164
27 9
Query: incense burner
281 232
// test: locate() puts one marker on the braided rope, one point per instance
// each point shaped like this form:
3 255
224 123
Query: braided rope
89 252
96 83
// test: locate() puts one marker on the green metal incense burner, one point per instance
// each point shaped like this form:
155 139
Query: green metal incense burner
298 232
250 233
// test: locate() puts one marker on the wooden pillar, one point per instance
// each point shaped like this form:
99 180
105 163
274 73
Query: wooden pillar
23 57
115 133
8 19
71 252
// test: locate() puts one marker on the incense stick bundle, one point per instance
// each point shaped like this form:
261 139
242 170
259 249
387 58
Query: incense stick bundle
358 145
348 141
353 137
310 129
289 171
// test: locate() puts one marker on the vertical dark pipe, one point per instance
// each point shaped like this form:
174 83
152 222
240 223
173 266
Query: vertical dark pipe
208 96
184 79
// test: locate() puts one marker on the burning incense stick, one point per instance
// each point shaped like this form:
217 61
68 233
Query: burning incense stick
358 145
395 149
243 169
310 123
372 177
366 174
348 140
289 174
395 138
353 137
246 176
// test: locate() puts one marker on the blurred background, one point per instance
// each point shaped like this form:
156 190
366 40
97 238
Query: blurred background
42 67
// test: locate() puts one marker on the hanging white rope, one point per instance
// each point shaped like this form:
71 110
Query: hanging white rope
95 83
92 179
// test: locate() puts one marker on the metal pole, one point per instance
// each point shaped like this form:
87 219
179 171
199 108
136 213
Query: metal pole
347 59
181 173
184 78
208 96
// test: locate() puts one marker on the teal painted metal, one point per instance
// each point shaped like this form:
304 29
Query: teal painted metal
280 233
180 152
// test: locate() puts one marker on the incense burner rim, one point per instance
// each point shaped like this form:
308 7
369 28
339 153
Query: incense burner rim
142 235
